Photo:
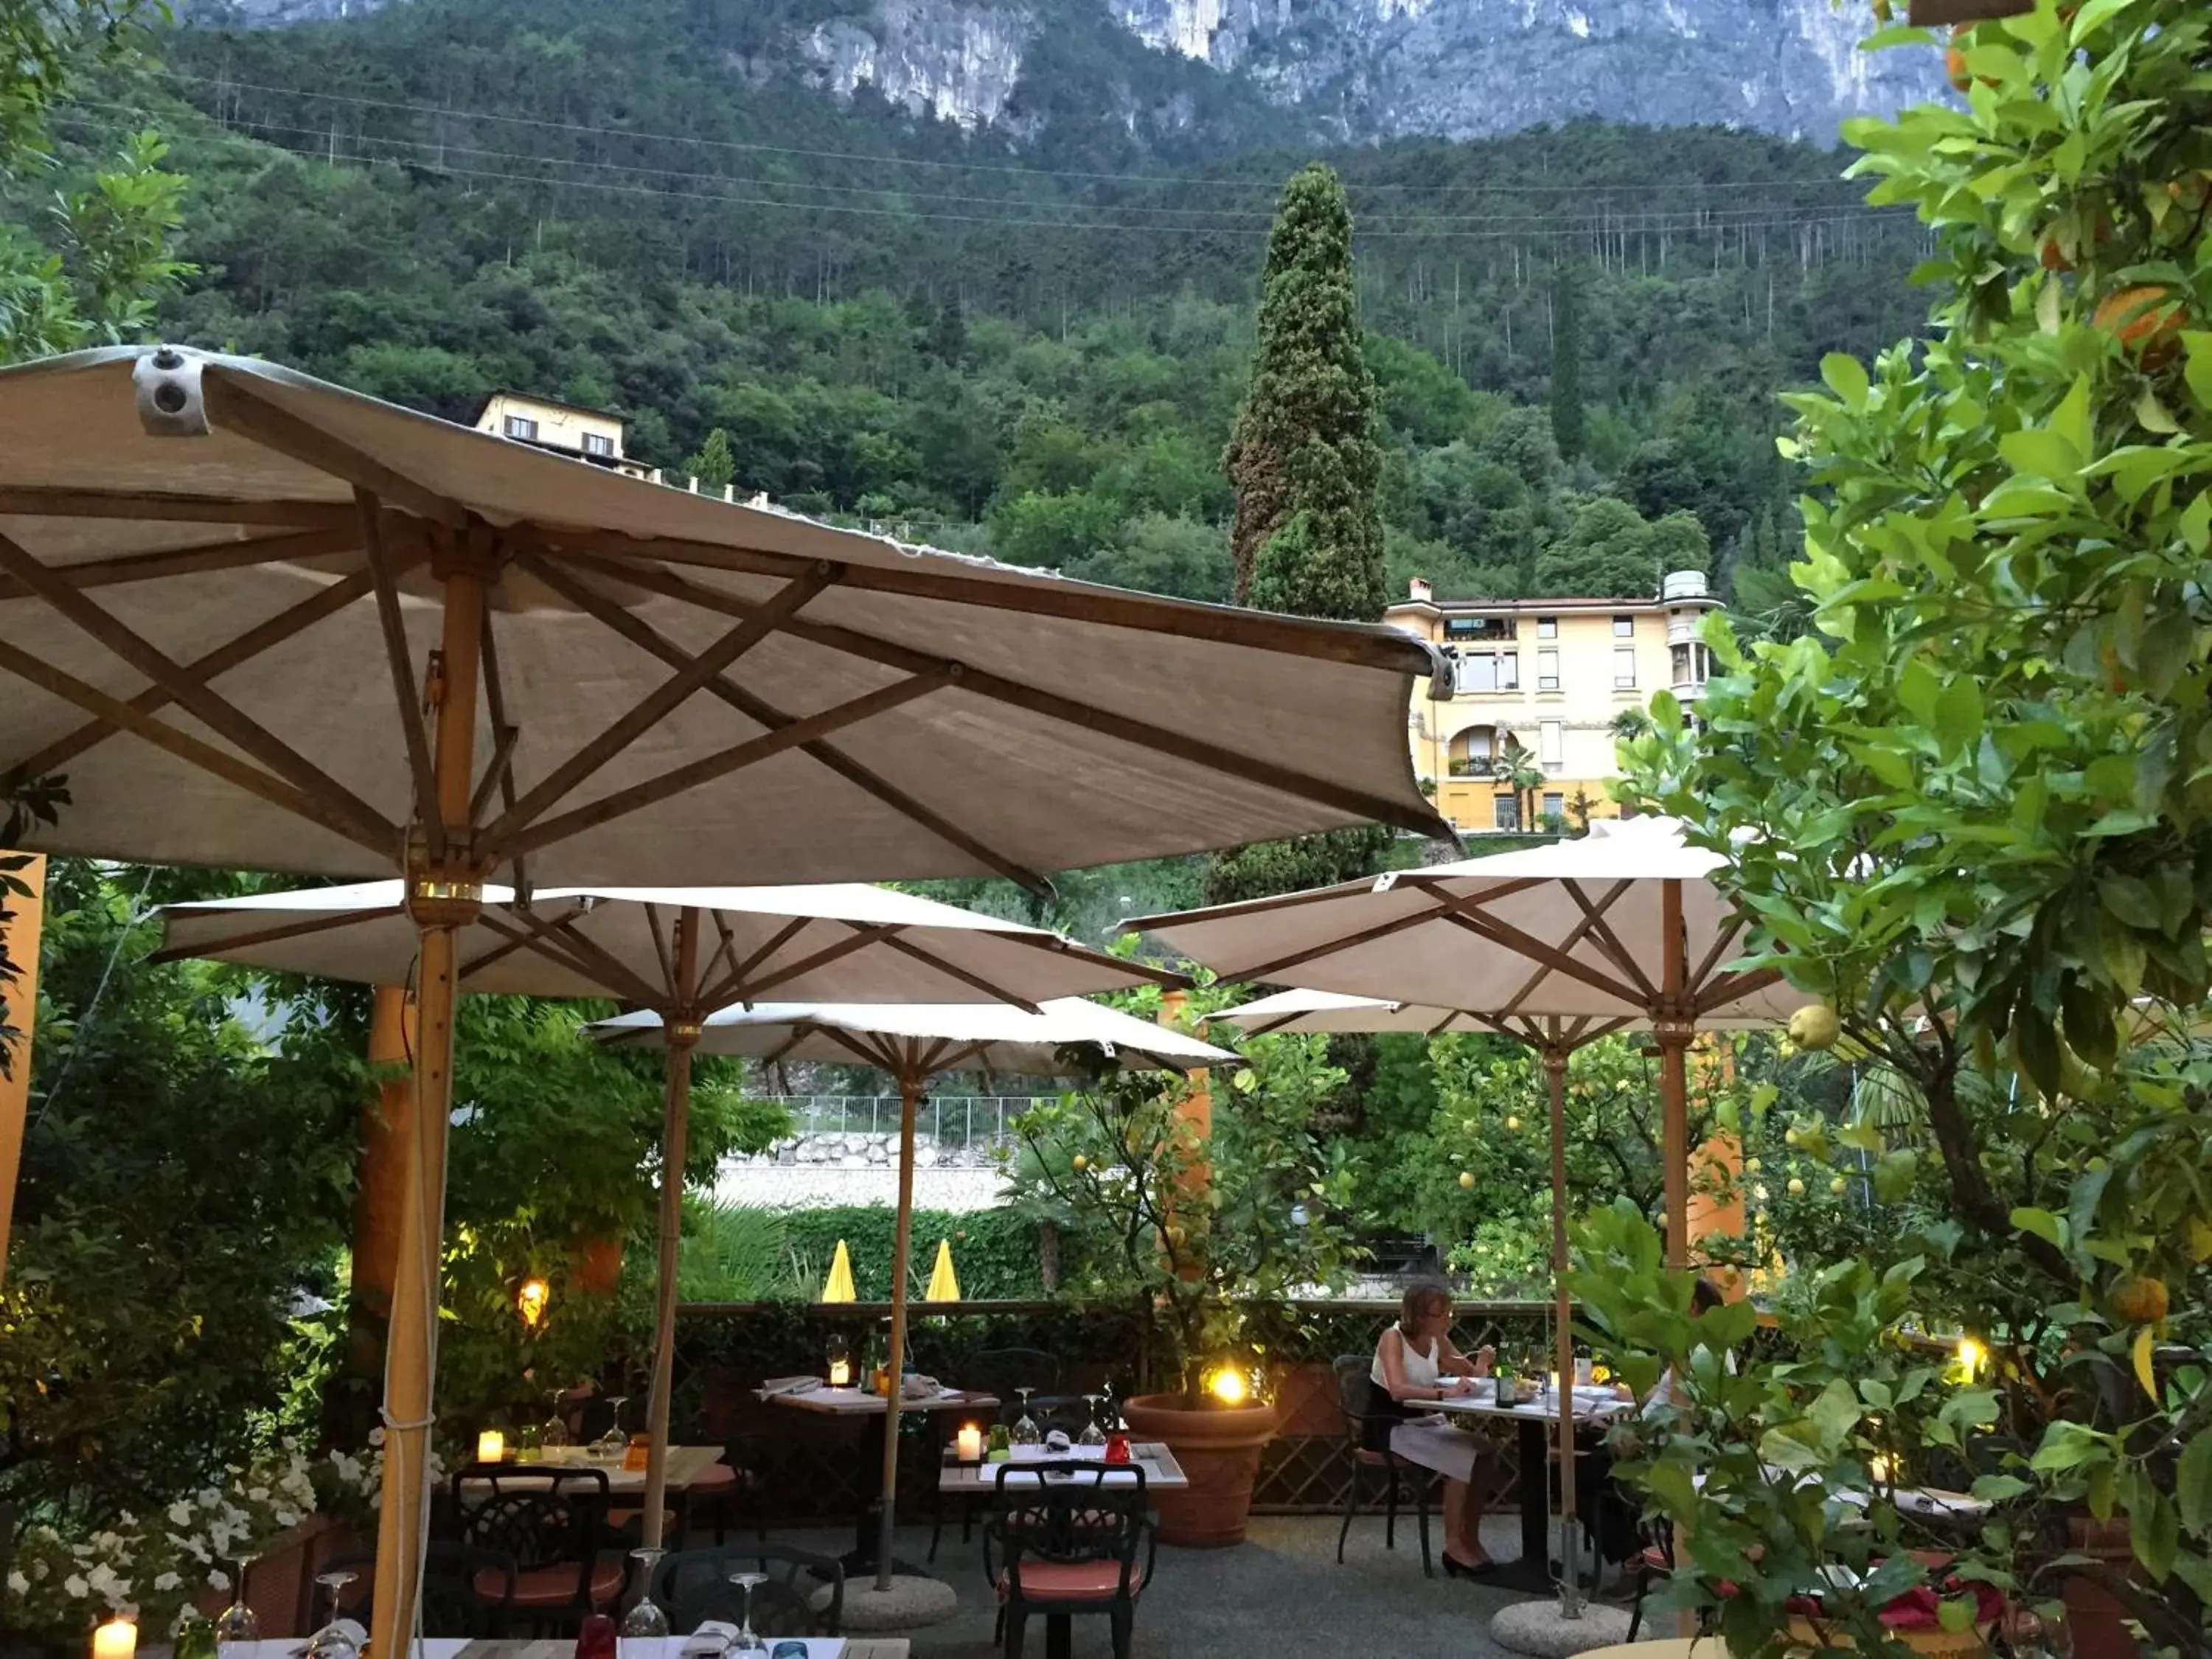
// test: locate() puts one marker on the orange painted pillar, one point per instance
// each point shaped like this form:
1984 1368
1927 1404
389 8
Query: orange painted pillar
387 1142
19 1007
1716 1184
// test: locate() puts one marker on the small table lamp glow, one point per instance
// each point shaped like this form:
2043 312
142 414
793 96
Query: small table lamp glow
116 1639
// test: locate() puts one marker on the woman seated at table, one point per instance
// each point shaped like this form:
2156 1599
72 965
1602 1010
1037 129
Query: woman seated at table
1416 1366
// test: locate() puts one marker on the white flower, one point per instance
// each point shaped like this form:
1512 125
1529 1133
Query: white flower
77 1588
376 1436
217 1579
288 1518
181 1513
166 1582
18 1583
258 1494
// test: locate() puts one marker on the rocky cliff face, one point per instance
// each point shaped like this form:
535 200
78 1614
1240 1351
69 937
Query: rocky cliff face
1375 69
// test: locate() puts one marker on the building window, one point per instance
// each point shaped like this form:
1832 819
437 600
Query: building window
1555 806
1507 811
1547 670
1479 628
1547 628
598 443
1624 627
1551 744
1489 671
522 427
1624 668
1470 756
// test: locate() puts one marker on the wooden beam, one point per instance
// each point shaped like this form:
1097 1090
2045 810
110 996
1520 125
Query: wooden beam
725 990
205 757
653 791
1051 705
499 771
33 502
651 709
560 942
1347 941
1729 987
1721 945
218 662
1574 937
974 981
1536 950
861 940
234 404
495 706
1053 944
211 950
1608 940
406 693
660 952
634 628
1029 593
196 561
195 696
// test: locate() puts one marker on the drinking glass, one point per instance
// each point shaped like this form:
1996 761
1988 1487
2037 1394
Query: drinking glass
745 1643
611 1446
335 1639
554 1436
235 1623
999 1448
1026 1432
645 1621
1093 1435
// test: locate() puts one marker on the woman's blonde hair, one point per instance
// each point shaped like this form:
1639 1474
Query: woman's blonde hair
1421 1295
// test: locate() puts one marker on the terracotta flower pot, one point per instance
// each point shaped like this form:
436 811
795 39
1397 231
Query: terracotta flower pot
1953 1645
1218 1446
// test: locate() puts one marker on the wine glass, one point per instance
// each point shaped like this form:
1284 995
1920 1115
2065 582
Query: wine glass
1093 1435
337 1639
645 1621
745 1641
1026 1432
554 1436
236 1623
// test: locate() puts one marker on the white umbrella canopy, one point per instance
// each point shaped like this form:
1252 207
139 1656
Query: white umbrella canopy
258 621
914 1043
1333 1013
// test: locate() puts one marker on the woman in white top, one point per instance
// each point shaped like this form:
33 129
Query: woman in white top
1415 1363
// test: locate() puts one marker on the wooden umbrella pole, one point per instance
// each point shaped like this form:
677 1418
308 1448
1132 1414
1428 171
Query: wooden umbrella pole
1674 1029
682 1037
443 899
1570 1595
910 1084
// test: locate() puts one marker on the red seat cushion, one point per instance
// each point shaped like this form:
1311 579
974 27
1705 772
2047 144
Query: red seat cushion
1654 1559
715 1477
1068 1581
1372 1458
551 1587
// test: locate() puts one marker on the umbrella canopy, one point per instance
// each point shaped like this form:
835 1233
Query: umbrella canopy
914 1043
842 940
258 621
1331 1012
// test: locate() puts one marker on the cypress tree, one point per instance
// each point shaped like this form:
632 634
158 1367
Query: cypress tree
1567 423
1304 455
1307 465
713 466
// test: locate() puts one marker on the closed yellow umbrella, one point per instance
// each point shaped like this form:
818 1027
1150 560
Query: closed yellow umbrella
944 1283
839 1288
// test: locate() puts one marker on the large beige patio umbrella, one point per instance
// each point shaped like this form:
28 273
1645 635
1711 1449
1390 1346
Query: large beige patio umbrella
914 1044
261 622
1331 1012
676 949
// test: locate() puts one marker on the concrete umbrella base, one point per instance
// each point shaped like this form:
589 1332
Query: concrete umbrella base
909 1604
1537 1628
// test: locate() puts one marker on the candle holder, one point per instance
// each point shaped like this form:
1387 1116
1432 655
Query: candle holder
968 1446
837 1361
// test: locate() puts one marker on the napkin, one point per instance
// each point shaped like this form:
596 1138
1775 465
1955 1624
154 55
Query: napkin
711 1639
777 1385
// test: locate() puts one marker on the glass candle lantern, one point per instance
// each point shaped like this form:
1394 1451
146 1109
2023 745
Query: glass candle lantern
837 1362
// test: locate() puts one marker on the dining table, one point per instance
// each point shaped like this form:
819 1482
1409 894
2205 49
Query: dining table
560 1647
871 1411
686 1464
1537 1422
1033 1468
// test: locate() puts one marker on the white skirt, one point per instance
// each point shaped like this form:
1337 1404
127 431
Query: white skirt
1434 1443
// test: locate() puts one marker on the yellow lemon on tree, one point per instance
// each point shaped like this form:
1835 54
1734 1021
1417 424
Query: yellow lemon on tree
1815 1026
1466 1178
1750 1166
1797 1187
1837 1186
1513 1124
1789 1137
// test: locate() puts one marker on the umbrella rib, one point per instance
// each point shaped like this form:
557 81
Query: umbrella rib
558 942
658 704
928 1061
498 770
29 502
1729 987
1072 601
975 981
247 645
1344 942
724 988
661 950
1166 977
1608 941
1500 933
642 635
212 949
207 557
1140 733
236 406
821 958
204 756
1575 937
726 947
509 736
194 695
1720 946
405 693
654 790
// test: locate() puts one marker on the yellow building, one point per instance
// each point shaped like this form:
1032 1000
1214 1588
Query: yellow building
590 435
1543 681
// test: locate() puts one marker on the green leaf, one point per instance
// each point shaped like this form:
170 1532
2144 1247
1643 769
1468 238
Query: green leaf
2192 1484
1847 377
2044 1225
2001 1488
1958 715
2153 415
1955 1613
2070 420
2199 368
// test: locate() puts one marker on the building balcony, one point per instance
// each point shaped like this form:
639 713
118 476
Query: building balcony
1468 767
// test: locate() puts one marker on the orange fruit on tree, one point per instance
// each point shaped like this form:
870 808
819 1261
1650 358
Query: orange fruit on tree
2140 1301
2147 319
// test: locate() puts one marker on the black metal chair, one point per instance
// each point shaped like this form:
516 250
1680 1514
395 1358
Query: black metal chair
734 1488
1368 1420
550 1521
1070 1542
804 1594
467 1591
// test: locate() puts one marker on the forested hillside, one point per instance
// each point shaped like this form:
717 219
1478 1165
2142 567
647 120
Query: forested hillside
1579 334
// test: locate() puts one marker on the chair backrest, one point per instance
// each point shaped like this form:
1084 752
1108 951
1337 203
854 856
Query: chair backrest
1067 1412
465 1591
1355 1389
694 1585
545 1516
1002 1370
1091 1512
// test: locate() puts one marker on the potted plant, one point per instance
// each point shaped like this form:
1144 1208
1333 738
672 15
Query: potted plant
1222 1218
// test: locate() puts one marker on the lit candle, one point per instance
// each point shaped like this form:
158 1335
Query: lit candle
491 1447
116 1639
971 1444
840 1373
1880 1468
